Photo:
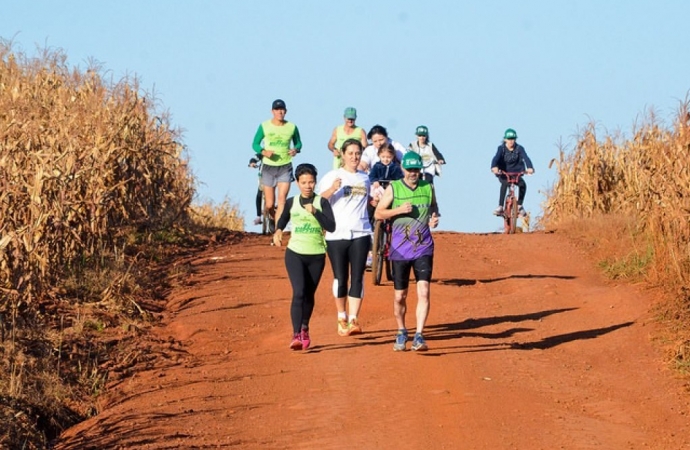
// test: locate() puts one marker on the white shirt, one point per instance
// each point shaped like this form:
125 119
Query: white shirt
370 155
426 152
349 204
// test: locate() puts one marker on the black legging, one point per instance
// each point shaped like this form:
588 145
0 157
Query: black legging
504 189
349 254
259 194
304 272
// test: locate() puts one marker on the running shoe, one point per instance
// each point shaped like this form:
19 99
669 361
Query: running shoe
521 211
354 327
400 341
343 327
306 342
418 343
296 343
257 221
498 211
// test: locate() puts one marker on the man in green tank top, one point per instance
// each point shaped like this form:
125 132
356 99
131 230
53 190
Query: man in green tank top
411 205
272 143
344 132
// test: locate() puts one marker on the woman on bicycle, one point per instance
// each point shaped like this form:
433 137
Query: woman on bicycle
347 189
511 157
305 256
432 159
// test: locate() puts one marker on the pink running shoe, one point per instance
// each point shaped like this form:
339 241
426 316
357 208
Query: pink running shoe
306 342
296 343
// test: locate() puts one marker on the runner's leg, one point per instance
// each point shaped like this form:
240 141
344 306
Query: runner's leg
297 273
338 255
283 190
401 283
423 268
315 266
357 255
269 199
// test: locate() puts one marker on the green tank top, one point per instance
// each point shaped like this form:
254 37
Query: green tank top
411 236
277 139
341 137
307 235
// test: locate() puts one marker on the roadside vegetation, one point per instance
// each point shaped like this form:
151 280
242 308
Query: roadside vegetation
96 196
628 199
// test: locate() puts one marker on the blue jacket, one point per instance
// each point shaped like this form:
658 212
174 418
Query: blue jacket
515 161
385 173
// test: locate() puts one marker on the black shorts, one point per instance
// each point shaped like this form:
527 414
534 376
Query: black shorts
423 268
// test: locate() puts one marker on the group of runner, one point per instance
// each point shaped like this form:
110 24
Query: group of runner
380 180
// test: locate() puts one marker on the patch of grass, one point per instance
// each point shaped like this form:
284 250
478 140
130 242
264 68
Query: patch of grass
632 267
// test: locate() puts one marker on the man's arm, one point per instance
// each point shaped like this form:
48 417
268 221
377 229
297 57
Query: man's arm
363 139
383 212
258 137
437 154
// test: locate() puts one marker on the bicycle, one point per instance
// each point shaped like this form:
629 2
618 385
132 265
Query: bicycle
510 210
380 248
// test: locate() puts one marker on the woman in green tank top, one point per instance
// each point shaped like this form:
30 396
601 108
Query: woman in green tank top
344 132
305 256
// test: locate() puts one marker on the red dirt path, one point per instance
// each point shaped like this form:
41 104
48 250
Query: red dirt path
530 348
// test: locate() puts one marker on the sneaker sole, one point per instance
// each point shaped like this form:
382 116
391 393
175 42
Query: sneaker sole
399 349
421 348
296 346
353 331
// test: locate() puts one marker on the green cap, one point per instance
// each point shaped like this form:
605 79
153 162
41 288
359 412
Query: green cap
350 113
412 160
422 131
510 134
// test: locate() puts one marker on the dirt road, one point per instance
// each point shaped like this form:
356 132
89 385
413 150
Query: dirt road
530 348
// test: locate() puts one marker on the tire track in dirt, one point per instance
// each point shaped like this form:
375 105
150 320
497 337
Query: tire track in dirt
530 348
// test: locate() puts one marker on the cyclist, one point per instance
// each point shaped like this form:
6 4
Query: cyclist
255 163
347 189
344 132
411 204
431 156
276 134
511 157
305 256
378 135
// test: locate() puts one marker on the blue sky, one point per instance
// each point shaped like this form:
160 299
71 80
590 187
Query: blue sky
467 70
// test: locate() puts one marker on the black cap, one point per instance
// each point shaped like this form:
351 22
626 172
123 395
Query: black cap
278 104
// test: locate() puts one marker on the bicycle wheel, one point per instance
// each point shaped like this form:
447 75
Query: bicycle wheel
386 249
377 252
506 215
513 215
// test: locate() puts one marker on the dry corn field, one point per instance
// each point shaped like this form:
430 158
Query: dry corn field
79 160
644 179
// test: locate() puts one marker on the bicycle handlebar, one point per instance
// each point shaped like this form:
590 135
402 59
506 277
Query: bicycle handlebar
512 177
